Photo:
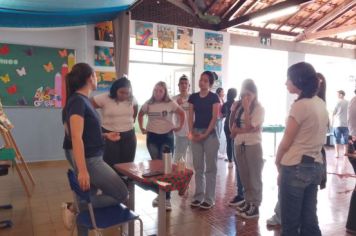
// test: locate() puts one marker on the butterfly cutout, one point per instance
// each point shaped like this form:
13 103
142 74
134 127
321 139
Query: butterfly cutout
29 51
48 67
4 49
21 71
12 89
63 53
5 78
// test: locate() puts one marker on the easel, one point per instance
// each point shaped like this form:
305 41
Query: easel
11 144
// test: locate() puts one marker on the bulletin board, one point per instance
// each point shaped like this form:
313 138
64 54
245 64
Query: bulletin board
34 76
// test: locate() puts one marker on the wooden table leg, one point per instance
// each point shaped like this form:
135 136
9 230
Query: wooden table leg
161 213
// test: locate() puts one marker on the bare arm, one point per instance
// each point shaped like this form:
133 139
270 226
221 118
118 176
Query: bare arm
287 140
95 105
76 128
191 118
140 121
181 115
135 108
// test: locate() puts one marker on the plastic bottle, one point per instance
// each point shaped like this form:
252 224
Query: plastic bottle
167 160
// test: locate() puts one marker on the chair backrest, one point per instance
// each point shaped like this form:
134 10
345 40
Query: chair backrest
74 185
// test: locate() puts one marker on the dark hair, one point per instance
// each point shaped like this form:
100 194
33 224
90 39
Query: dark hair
123 82
322 86
166 97
78 77
303 76
231 94
211 75
342 92
183 77
218 91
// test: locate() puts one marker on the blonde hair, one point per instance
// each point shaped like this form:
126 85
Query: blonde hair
166 97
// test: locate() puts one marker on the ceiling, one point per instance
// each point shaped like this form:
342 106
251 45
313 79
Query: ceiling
320 21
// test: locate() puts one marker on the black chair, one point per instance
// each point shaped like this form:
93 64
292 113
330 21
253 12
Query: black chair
100 218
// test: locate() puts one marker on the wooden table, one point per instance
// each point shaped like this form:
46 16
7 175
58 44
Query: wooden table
165 183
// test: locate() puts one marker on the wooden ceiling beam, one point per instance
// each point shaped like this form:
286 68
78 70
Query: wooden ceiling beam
286 33
341 9
310 15
291 16
243 19
325 33
233 10
210 6
182 6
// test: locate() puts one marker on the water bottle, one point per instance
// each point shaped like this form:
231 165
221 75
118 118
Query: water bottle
167 160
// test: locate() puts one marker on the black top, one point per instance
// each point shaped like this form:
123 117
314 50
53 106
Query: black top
67 144
92 137
203 109
226 111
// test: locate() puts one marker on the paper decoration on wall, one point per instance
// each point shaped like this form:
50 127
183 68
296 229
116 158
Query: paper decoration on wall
12 89
4 120
45 67
48 67
104 56
165 35
213 41
21 71
63 53
5 78
4 49
104 31
212 62
144 33
45 97
184 38
105 80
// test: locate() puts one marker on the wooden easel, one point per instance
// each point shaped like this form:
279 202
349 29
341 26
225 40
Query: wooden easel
10 143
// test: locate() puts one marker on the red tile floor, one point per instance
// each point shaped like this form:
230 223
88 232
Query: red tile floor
41 214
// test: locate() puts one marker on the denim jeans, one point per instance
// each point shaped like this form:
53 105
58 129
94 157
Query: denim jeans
205 155
103 177
156 142
351 219
298 196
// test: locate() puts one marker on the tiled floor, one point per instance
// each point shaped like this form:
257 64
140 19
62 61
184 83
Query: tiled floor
41 214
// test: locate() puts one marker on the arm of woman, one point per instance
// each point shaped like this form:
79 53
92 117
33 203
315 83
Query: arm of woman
140 121
180 112
76 129
191 120
94 103
135 108
287 140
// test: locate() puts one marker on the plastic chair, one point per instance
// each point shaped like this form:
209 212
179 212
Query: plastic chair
100 218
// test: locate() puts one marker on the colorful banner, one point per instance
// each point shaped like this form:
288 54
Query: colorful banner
184 38
144 33
213 41
165 35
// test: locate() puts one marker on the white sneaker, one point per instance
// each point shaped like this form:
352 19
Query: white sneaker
273 221
68 216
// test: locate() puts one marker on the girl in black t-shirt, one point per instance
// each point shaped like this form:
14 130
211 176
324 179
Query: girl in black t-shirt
203 111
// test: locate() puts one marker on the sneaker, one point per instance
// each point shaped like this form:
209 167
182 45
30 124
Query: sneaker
251 213
237 201
242 208
230 165
195 203
68 215
206 205
273 221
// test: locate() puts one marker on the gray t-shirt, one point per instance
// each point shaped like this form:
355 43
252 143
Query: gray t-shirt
340 113
312 118
185 106
160 116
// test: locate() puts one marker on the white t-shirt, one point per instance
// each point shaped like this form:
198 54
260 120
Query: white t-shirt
351 116
185 106
257 118
312 117
340 113
116 116
160 116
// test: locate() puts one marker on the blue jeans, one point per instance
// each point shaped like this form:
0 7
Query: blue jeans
298 196
156 142
341 133
103 177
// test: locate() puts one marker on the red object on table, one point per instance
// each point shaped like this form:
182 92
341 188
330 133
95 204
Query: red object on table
177 180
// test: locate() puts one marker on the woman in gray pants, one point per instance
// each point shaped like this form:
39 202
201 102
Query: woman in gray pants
247 132
203 110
